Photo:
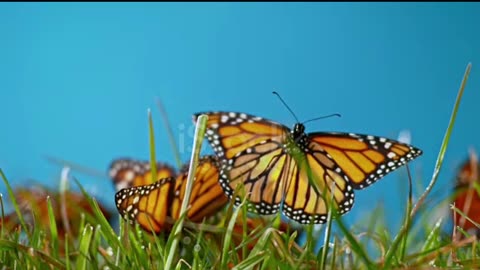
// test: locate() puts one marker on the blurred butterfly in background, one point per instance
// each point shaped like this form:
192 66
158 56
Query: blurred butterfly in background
264 157
33 201
34 210
127 172
157 206
466 196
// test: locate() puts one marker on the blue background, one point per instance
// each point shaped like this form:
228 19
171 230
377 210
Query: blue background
76 80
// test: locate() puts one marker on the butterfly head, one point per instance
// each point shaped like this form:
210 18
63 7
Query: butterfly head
298 130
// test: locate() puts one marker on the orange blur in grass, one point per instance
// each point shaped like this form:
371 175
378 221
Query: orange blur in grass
466 197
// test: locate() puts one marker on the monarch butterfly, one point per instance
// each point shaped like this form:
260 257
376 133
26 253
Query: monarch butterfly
156 206
126 172
466 197
262 156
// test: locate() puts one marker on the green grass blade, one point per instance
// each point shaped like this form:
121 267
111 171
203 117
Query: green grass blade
137 251
446 139
2 231
196 248
168 128
334 253
108 231
407 215
94 246
67 261
153 158
76 167
244 231
63 199
461 213
432 236
282 246
438 165
326 242
355 246
200 129
84 246
30 252
53 227
229 234
15 204
252 261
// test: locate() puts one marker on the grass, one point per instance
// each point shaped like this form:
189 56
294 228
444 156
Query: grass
419 243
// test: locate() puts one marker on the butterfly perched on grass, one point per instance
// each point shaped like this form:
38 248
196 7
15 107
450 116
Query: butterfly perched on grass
156 206
278 167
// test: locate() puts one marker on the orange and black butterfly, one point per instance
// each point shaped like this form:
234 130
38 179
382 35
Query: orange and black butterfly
156 206
466 197
276 165
126 172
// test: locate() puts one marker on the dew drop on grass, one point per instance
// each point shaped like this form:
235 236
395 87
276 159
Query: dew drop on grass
187 240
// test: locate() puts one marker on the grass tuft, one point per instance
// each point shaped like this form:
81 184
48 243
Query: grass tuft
421 242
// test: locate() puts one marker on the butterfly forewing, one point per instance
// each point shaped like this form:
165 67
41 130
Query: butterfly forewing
231 133
207 196
364 158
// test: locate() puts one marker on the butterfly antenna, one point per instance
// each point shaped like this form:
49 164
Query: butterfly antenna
281 99
323 117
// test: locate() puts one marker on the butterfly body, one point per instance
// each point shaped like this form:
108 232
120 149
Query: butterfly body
295 171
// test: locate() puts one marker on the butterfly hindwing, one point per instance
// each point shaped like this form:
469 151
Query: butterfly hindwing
303 203
259 171
148 205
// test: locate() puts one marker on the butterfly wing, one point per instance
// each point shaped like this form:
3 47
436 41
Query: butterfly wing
306 204
231 133
207 196
127 173
147 205
363 158
250 151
